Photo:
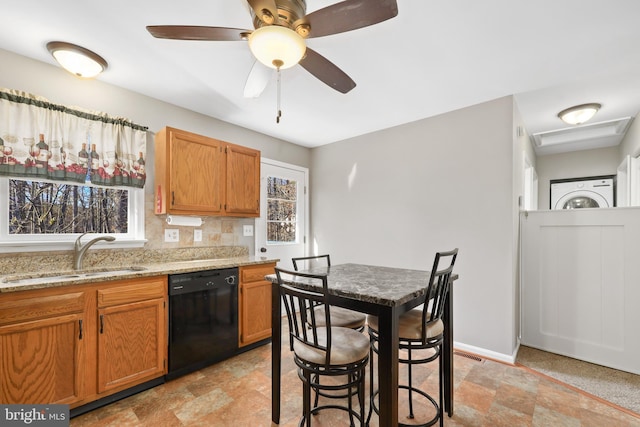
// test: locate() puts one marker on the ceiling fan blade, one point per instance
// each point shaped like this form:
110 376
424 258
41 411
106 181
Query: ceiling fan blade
260 6
191 32
326 71
257 80
348 15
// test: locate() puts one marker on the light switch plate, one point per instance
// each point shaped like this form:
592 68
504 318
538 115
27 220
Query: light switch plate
197 235
247 230
172 235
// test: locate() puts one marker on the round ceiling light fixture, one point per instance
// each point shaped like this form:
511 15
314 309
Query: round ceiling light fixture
77 60
579 114
276 46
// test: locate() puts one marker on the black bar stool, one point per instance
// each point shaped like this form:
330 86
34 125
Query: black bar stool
420 329
338 353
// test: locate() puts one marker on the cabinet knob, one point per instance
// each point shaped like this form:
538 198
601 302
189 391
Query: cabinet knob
263 250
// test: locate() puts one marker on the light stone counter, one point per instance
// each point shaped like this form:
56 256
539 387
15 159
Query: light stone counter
28 281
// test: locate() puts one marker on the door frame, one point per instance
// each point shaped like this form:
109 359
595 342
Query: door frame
297 168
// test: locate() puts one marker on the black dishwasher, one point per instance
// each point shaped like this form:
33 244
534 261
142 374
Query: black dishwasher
203 319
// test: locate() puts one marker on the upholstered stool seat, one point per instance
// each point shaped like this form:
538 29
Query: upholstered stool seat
347 346
342 317
410 325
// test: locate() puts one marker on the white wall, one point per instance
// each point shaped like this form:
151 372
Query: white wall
397 196
599 161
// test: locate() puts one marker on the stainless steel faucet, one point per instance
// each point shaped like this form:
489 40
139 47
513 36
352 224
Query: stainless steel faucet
79 250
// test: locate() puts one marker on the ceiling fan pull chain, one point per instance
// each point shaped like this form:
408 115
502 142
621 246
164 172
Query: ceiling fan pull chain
279 113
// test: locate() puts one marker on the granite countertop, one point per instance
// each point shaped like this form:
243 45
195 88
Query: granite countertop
29 281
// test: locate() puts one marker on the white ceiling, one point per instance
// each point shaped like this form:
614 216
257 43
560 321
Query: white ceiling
435 56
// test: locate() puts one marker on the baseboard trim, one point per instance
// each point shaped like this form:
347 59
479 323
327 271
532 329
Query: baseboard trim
487 354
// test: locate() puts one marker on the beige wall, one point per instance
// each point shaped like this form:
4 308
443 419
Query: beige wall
58 86
397 196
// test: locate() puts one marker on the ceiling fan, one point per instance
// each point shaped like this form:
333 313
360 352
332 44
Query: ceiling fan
280 28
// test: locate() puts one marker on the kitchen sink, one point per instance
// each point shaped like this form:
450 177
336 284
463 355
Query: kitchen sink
32 279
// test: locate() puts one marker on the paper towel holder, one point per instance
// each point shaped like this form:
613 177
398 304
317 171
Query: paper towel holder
190 221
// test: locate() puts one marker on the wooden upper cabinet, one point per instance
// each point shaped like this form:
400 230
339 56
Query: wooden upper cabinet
189 173
243 181
197 175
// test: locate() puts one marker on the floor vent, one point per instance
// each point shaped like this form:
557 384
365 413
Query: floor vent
468 356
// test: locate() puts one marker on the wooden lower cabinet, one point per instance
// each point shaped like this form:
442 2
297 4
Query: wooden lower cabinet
255 303
53 350
132 334
43 347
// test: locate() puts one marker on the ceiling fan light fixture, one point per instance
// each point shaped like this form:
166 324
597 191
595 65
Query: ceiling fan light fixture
579 114
275 45
77 60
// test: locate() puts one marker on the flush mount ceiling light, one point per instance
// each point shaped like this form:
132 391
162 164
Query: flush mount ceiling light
76 59
579 114
277 47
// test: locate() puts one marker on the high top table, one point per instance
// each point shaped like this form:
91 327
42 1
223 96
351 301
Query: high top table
384 292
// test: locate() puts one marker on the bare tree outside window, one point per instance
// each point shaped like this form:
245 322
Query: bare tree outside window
281 210
38 207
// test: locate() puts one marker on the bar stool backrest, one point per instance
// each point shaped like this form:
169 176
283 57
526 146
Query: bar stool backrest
438 287
309 262
302 319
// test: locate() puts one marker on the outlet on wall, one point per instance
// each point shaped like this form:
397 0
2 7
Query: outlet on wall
197 235
172 235
247 230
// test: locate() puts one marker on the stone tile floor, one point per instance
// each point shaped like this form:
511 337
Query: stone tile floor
237 393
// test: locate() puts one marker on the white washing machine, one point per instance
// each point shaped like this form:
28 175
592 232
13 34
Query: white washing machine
577 193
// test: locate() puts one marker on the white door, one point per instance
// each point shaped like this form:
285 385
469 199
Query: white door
282 227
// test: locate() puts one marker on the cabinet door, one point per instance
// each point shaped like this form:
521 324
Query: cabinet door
243 181
131 344
255 304
43 361
196 173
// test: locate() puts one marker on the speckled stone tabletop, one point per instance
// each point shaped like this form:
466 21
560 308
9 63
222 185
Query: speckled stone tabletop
379 285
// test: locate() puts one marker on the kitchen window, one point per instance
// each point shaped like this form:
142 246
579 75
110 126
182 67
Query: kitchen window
50 215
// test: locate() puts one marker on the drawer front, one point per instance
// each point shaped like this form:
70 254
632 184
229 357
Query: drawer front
140 290
13 310
255 274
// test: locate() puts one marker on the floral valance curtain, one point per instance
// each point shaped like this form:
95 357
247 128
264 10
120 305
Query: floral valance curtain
49 141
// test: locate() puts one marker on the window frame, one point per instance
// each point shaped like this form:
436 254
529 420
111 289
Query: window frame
135 238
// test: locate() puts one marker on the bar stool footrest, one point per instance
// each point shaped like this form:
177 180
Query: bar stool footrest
435 419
